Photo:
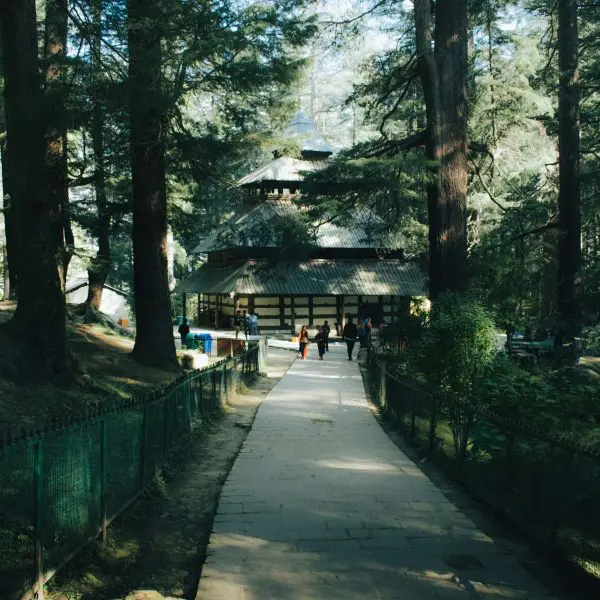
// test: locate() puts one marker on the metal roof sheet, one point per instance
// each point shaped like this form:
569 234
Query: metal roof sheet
284 169
319 277
261 228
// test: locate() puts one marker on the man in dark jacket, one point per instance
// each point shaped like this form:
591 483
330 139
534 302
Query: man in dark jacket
326 330
350 334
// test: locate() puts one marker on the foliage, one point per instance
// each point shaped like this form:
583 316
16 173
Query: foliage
458 343
591 340
561 398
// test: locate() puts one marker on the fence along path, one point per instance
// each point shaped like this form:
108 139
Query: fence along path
547 483
320 504
60 488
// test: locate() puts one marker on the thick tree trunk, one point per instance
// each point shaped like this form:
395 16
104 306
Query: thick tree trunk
569 201
154 342
447 112
55 48
10 223
10 228
452 64
98 269
429 79
39 320
6 273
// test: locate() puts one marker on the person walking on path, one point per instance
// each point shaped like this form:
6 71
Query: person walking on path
303 342
362 332
184 330
326 331
245 323
320 340
237 321
368 328
253 324
350 334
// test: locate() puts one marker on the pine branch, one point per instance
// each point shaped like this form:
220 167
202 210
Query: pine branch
486 188
394 146
362 15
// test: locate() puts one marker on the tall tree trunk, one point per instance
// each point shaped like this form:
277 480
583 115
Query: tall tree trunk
99 266
428 73
11 237
10 222
154 342
452 63
39 320
6 272
445 69
569 201
55 49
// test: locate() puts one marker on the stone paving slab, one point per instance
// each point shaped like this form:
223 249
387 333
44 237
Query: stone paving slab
320 504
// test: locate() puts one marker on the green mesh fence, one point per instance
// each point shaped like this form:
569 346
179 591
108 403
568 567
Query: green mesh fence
59 489
547 484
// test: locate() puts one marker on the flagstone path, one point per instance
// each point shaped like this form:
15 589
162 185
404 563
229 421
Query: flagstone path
321 505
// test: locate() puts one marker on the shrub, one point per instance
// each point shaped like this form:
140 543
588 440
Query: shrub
459 342
591 341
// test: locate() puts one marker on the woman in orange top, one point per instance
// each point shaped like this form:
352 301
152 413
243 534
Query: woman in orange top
303 342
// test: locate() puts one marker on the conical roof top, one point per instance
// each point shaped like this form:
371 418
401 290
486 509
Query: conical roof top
303 129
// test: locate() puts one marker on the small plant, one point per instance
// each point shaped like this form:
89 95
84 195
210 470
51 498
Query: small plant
591 341
457 344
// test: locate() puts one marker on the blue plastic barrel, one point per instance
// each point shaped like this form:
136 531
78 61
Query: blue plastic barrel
206 340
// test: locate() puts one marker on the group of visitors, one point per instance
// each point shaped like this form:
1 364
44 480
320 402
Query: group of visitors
248 322
321 339
350 334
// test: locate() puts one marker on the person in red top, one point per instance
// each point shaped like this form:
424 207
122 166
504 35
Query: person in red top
303 342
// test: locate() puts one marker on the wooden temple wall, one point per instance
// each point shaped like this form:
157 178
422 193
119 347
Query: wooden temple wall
278 312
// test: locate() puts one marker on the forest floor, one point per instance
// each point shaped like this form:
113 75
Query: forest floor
103 355
160 544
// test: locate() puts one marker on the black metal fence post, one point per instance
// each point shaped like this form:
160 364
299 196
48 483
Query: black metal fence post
143 446
214 386
165 425
413 416
433 423
103 479
38 474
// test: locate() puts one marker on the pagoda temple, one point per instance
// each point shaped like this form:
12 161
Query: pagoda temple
254 262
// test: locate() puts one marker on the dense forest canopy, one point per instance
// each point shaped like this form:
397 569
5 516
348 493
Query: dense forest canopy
469 127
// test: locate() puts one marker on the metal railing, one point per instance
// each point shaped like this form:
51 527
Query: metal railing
547 483
61 488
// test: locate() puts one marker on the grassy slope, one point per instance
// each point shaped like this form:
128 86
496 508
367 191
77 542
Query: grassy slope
105 357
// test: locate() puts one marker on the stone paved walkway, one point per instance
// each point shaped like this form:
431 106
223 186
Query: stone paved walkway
321 505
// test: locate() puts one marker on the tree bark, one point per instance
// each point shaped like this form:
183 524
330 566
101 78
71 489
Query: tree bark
100 264
154 342
445 68
39 321
55 49
6 273
569 200
451 46
10 224
428 73
10 228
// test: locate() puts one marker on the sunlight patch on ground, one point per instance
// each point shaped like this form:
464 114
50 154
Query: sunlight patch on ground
355 465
